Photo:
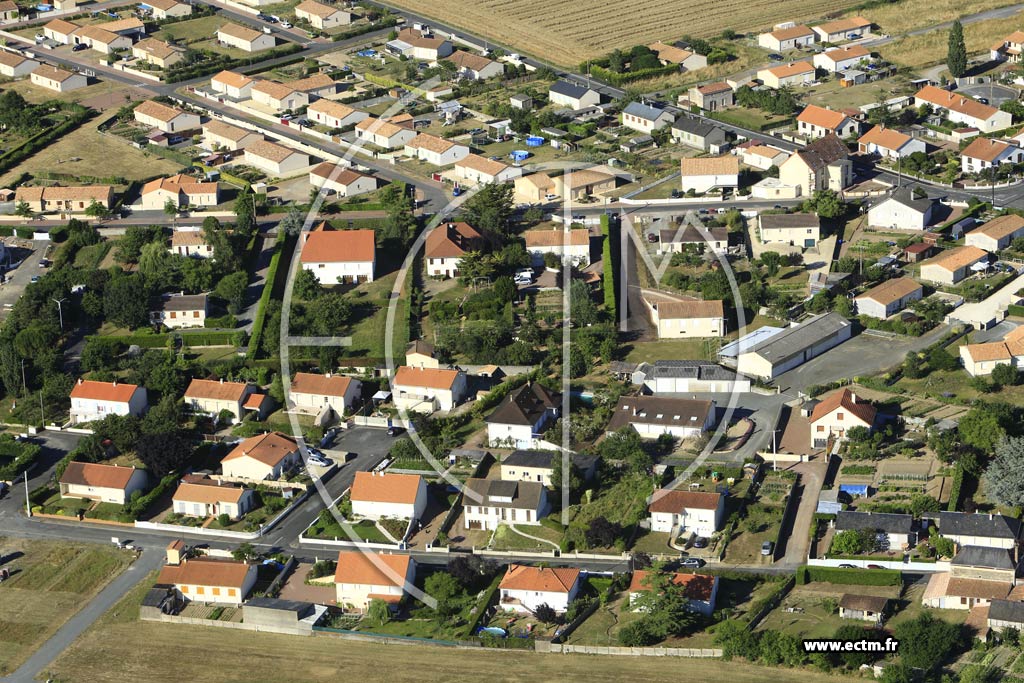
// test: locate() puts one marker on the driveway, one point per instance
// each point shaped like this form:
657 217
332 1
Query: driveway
797 541
991 309
994 333
995 94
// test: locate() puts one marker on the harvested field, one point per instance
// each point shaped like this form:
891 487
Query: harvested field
908 15
568 33
932 47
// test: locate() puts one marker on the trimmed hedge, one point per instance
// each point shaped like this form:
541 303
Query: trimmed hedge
849 577
954 492
609 76
367 28
222 62
261 313
23 454
1014 309
159 341
610 257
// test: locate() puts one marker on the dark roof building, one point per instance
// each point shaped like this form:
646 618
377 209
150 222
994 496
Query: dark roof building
987 558
545 459
568 89
978 525
877 521
525 405
521 495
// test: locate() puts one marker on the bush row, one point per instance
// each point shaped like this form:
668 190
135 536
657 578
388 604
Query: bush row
41 140
954 492
849 577
608 255
261 313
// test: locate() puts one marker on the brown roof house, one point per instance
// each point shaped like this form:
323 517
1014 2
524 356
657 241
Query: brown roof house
652 416
889 143
779 77
218 135
525 588
210 580
863 607
686 512
54 198
362 577
266 456
573 242
92 400
953 265
376 495
984 154
181 190
217 397
101 483
687 319
434 150
837 413
341 181
334 114
339 256
233 84
475 67
275 159
165 118
210 498
190 243
699 589
817 122
703 174
320 16
521 418
15 66
787 37
244 38
996 234
312 393
888 298
823 164
428 389
158 52
447 244
383 134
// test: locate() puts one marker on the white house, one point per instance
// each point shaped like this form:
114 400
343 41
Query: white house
232 84
952 265
320 16
384 134
446 245
525 588
489 503
888 298
177 311
428 389
996 234
789 75
278 97
381 494
181 190
763 157
101 483
788 37
982 359
334 114
841 58
339 256
313 393
539 466
565 94
165 9
244 38
420 43
985 153
190 243
836 414
697 513
703 174
341 181
676 240
701 590
92 400
521 418
211 498
60 31
817 122
983 530
644 118
266 456
165 118
794 229
889 143
475 67
902 210
842 29
58 80
964 109
652 416
158 52
277 160
362 576
100 39
218 135
573 242
210 580
212 397
482 171
685 59
16 66
434 150
687 319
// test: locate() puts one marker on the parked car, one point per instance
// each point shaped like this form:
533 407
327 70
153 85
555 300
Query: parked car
394 431
550 197
36 278
847 566
767 547
652 237
79 47
775 58
875 566
700 542
285 24
692 562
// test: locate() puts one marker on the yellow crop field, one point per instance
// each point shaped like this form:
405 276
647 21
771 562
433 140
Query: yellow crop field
900 17
568 33
932 47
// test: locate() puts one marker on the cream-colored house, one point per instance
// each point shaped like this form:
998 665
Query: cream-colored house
312 393
889 298
54 198
428 389
190 243
181 190
384 134
157 52
823 164
981 359
58 80
686 512
92 400
341 181
817 122
687 319
179 311
953 265
997 234
447 244
574 243
101 483
165 118
787 37
211 498
15 66
321 16
420 354
165 9
244 38
266 456
376 495
481 170
362 577
208 580
232 84
60 31
277 160
434 150
212 397
219 135
278 97
339 256
534 188
334 114
836 414
703 174
789 75
100 39
794 229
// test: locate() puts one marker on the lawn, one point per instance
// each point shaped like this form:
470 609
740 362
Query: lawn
750 118
370 311
193 30
812 621
691 349
51 581
931 47
507 539
86 152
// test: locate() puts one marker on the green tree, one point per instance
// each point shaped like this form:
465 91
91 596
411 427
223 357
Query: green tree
306 286
445 589
490 210
1004 477
913 368
1004 374
956 57
625 445
171 209
981 428
772 261
97 210
23 209
583 309
940 359
826 203
926 642
130 244
378 612
124 301
853 542
245 213
291 224
232 289
943 546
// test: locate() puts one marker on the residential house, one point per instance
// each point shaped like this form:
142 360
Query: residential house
244 38
8 11
823 164
889 298
843 29
697 513
339 256
698 134
687 319
190 243
574 243
158 52
178 311
795 229
475 67
362 577
376 495
700 590
688 377
981 359
446 245
919 251
835 414
428 389
276 160
898 529
341 181
100 39
984 530
521 418
60 31
703 174
210 498
539 466
678 240
762 157
575 97
953 265
1009 49
534 188
713 96
421 44
787 38
489 503
986 154
482 171
1004 614
101 483
213 397
582 184
817 122
963 109
420 354
266 456
645 118
653 416
996 234
234 85
92 400
334 114
793 346
165 118
435 150
869 608
384 134
131 27
312 393
15 66
525 588
670 54
320 16
278 97
58 80
55 198
521 102
180 190
210 580
166 9
947 591
841 58
219 135
889 143
902 210
789 75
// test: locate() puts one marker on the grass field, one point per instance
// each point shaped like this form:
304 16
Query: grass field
568 33
94 154
52 581
900 17
931 47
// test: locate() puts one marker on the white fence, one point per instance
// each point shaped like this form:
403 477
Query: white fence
708 653
887 564
383 422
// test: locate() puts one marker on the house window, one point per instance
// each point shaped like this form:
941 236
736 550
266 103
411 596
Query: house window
200 590
216 591
821 428
231 592
839 417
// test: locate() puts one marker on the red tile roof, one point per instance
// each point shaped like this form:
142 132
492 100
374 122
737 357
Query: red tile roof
339 246
540 579
386 488
666 500
368 569
844 398
117 392
206 572
98 475
697 586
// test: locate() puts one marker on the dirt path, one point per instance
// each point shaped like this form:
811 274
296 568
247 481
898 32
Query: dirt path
812 474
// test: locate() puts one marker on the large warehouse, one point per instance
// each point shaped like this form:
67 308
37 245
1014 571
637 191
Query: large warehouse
794 346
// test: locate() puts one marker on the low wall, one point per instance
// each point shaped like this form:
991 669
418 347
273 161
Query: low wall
939 566
237 625
709 653
136 72
382 422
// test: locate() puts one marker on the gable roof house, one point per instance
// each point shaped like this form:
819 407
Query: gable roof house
574 242
539 466
823 164
645 118
1009 49
1004 614
210 580
996 234
964 109
842 29
902 210
980 529
712 96
165 118
341 181
190 243
15 66
817 122
278 97
266 456
794 229
475 67
697 513
889 298
58 80
676 240
698 134
889 143
576 97
177 311
981 359
8 10
837 413
233 84
66 199
376 495
687 319
986 564
421 44
701 590
703 174
165 9
180 189
339 256
361 577
582 184
688 377
334 114
779 77
482 171
793 346
384 134
277 160
762 156
522 417
869 608
101 483
428 389
213 397
447 244
985 153
841 58
525 588
92 400
488 503
898 528
435 150
209 498
787 38
100 39
320 16
652 416
687 60
60 31
244 38
220 135
158 52
953 265
312 393
946 591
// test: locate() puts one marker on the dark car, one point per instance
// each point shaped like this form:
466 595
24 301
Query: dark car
394 431
692 562
651 237
847 566
700 542
875 566
79 47
775 58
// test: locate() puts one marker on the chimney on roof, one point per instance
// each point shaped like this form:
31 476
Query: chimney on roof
79 380
114 382
222 380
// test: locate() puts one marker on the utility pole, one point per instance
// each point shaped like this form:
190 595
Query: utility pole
60 312
28 505
42 416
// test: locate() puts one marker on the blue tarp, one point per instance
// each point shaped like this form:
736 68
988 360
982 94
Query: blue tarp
534 141
854 489
367 53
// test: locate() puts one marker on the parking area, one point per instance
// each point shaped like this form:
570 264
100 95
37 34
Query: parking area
989 93
362 443
27 254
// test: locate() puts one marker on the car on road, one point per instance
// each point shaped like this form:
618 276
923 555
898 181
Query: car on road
36 278
700 542
775 58
550 197
847 566
285 24
875 566
767 547
983 100
692 562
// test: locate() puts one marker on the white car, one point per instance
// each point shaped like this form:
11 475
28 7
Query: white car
285 24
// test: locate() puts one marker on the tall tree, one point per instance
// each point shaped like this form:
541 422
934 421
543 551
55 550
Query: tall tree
1004 478
245 213
956 59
